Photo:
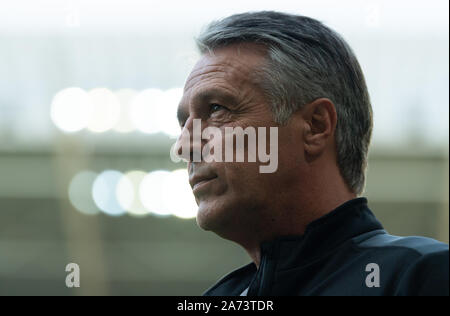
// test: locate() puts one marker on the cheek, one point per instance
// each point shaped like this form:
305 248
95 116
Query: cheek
290 147
245 181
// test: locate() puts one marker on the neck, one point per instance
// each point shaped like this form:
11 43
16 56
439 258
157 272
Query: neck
306 208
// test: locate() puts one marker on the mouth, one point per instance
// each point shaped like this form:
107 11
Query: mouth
199 183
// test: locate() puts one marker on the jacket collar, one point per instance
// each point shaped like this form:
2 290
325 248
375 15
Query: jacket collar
322 235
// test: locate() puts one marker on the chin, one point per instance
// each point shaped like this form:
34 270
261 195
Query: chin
225 217
214 216
207 217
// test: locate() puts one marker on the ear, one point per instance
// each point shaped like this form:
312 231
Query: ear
320 121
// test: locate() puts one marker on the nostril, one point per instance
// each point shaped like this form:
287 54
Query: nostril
178 148
182 147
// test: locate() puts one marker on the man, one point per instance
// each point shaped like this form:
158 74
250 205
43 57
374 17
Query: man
304 226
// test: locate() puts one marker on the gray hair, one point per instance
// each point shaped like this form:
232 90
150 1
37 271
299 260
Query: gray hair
306 61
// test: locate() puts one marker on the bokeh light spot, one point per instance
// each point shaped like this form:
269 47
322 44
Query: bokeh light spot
104 192
71 109
80 192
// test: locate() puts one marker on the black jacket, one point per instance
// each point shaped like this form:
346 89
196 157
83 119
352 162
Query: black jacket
336 256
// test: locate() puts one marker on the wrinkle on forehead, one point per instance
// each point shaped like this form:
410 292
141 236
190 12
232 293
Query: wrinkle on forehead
231 69
233 64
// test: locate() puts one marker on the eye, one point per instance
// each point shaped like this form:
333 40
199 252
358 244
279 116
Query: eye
214 107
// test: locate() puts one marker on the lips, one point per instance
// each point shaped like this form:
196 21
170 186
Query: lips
197 180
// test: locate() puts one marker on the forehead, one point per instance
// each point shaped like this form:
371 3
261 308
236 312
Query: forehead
230 68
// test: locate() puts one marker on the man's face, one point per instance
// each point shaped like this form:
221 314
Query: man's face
233 196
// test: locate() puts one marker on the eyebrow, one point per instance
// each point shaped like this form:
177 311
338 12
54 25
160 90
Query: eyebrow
207 95
214 93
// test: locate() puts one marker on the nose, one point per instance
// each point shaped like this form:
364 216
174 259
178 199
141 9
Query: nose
189 144
183 148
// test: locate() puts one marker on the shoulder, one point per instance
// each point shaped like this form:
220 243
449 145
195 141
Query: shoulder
426 275
420 246
420 264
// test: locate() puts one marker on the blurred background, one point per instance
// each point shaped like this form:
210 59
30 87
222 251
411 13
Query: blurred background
88 92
